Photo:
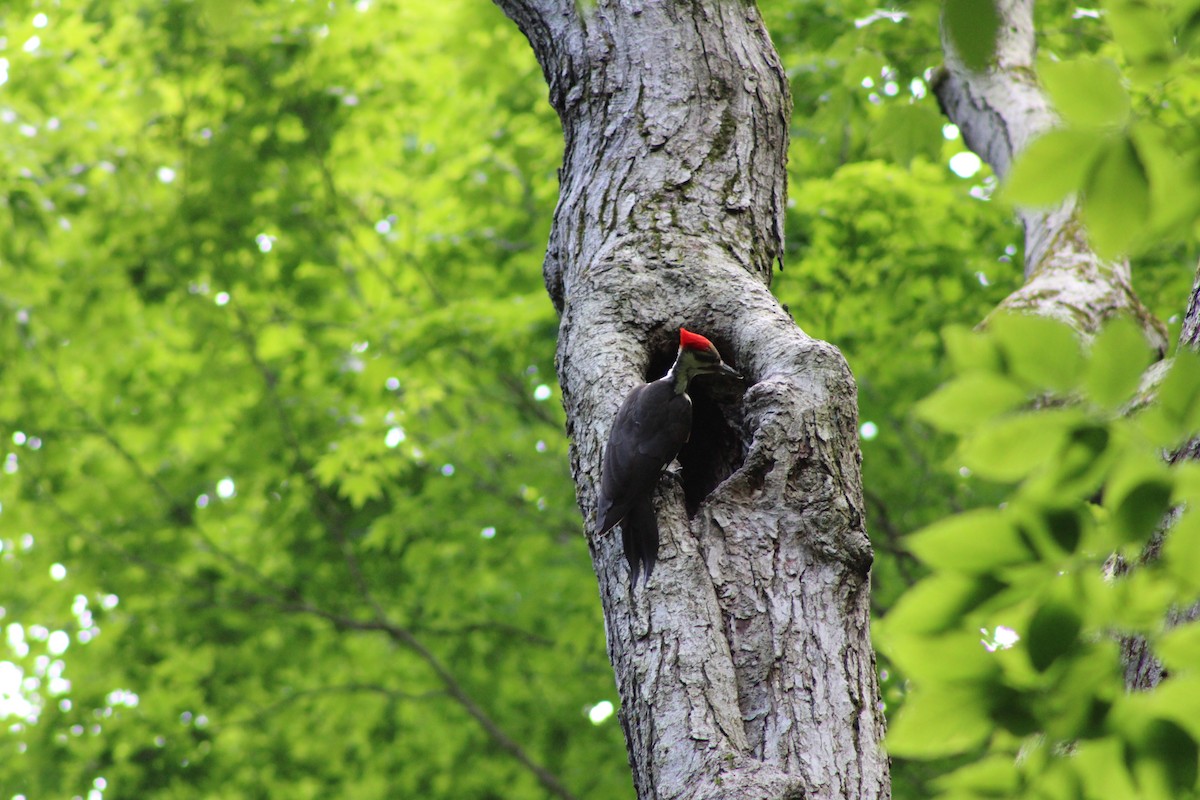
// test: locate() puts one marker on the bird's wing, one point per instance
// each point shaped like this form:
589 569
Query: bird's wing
650 427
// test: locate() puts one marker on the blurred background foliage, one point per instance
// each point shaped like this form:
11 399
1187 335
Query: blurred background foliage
284 473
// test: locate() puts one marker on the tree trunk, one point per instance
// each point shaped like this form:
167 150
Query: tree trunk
1143 670
745 667
1000 111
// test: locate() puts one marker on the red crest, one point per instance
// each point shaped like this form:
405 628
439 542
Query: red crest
693 341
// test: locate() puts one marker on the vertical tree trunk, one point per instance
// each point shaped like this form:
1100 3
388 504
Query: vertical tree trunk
1143 670
745 667
1000 111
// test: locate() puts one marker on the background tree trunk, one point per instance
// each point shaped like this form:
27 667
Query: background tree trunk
745 667
1000 111
1142 669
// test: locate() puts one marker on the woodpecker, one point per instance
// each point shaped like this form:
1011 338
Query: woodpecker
651 426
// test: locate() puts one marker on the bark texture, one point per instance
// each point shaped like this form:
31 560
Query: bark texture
1143 670
745 666
1000 112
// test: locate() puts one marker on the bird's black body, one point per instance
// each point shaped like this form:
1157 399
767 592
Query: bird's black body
650 427
652 424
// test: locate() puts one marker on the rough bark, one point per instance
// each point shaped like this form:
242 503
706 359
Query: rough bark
1000 111
1143 670
745 667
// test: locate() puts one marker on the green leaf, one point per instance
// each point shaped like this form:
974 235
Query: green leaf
1081 702
1173 169
1177 699
1086 91
1080 467
910 130
1102 768
1187 482
1116 200
940 722
1057 781
966 402
990 776
1166 761
972 26
279 341
1052 633
936 603
948 657
1053 166
1142 600
1181 551
1013 448
1179 648
359 488
1185 18
970 351
1054 532
1042 352
1179 393
1119 356
978 541
1144 33
1138 499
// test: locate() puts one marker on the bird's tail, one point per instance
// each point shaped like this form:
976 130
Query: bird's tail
639 535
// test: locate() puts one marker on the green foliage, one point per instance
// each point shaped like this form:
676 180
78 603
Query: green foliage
1129 143
271 362
272 330
1039 706
1087 91
972 27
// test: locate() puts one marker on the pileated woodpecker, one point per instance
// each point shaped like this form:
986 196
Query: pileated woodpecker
652 424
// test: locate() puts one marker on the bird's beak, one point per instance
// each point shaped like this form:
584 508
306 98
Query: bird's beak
730 371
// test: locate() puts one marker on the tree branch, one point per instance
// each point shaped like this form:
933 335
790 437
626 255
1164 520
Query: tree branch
347 688
454 689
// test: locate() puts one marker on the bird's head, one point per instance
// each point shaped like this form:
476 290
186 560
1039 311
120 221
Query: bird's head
698 356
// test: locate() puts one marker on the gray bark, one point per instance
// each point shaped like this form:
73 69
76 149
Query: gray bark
1000 111
745 667
1143 670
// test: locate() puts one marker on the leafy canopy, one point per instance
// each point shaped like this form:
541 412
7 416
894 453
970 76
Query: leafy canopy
1039 704
276 362
272 332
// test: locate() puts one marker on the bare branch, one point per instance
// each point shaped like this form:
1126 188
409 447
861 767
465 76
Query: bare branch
402 636
291 697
